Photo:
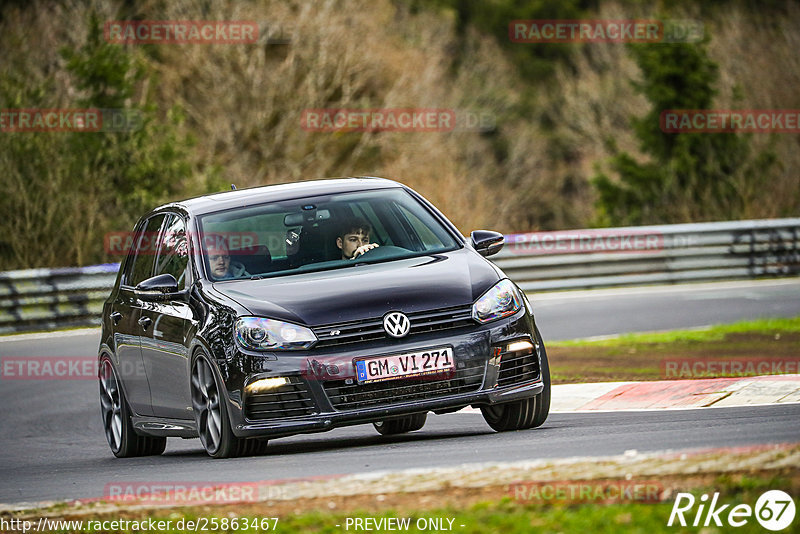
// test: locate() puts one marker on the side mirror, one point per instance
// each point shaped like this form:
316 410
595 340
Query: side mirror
486 242
158 288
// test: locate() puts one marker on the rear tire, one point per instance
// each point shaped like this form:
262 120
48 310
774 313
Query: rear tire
525 413
116 414
211 415
401 425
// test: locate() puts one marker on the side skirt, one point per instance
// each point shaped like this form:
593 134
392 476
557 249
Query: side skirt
170 428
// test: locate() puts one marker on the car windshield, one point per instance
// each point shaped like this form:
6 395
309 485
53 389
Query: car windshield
319 233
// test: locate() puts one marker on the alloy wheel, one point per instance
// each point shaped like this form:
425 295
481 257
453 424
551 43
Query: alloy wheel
206 404
111 405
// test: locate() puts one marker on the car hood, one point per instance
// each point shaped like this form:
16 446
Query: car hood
368 290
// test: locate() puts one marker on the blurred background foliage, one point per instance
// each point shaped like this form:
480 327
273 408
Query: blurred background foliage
575 143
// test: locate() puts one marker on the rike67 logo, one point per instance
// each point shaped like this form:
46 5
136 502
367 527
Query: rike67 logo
774 510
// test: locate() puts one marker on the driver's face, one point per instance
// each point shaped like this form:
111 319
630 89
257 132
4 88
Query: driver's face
350 242
218 260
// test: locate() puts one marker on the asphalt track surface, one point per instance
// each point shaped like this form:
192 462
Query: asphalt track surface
52 445
581 314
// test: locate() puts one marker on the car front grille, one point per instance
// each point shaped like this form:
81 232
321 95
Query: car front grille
353 396
370 329
518 367
291 400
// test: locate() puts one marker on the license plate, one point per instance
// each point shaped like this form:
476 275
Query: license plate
410 364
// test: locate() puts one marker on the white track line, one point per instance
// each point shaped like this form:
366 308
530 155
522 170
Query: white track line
51 335
470 410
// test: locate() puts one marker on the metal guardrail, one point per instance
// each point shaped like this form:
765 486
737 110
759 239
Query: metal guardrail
609 257
45 299
39 299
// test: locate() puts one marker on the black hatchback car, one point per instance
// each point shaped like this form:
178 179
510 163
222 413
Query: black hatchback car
266 312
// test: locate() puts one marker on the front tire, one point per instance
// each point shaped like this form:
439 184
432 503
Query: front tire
211 415
401 425
526 413
116 414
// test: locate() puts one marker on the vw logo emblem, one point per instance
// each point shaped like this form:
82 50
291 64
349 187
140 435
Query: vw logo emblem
396 324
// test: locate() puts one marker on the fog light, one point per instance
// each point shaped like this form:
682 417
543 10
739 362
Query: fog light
519 346
266 384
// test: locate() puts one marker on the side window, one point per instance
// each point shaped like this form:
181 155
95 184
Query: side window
144 250
173 250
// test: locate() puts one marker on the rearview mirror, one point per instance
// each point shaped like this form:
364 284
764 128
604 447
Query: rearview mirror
486 242
158 288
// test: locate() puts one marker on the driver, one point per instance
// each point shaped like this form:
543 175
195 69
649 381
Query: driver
219 261
353 238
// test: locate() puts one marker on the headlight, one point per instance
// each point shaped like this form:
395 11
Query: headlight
260 333
500 301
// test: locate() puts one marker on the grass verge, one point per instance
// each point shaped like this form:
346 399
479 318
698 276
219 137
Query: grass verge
567 495
643 356
546 510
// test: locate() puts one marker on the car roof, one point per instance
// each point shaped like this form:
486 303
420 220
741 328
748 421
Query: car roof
276 193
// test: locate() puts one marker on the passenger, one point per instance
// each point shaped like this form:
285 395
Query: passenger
219 262
353 238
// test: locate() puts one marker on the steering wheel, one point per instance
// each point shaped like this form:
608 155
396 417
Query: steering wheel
365 252
386 251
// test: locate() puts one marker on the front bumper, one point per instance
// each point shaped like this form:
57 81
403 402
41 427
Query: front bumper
319 375
329 421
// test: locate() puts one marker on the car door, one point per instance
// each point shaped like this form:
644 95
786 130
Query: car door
165 343
126 315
